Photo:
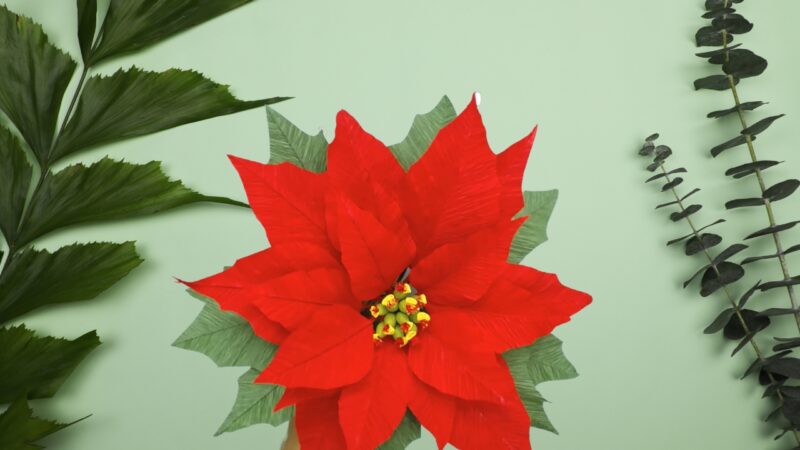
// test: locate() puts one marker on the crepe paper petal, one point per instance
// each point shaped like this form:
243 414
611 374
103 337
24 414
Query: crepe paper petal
335 337
293 396
317 424
510 168
373 254
469 376
462 272
481 426
454 188
371 409
287 200
434 410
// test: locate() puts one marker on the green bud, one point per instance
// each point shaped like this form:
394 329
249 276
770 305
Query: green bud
398 333
390 319
402 317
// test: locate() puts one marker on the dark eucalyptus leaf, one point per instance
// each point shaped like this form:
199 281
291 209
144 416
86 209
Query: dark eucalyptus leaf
662 152
132 25
719 323
715 82
750 168
652 137
728 252
790 391
746 296
753 322
787 344
787 367
742 63
675 241
735 142
662 175
746 106
87 23
647 149
672 184
761 125
718 12
780 283
686 212
746 340
33 78
744 202
73 273
15 179
675 202
654 165
766 378
135 102
38 365
751 259
719 51
708 36
728 273
733 24
771 230
106 190
696 274
717 4
771 312
791 411
781 190
702 242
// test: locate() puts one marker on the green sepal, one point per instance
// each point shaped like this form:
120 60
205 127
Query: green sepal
38 365
424 128
254 405
226 338
407 432
20 429
538 207
537 363
287 143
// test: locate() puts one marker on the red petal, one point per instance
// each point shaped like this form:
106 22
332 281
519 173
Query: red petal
510 169
287 200
454 188
470 376
371 409
293 396
434 410
373 254
461 272
481 426
318 424
333 348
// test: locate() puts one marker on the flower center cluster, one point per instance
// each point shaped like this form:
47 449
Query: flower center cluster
399 315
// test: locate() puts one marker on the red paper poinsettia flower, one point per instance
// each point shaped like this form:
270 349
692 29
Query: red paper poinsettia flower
389 290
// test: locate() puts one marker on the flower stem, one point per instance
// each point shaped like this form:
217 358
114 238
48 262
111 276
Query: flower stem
738 311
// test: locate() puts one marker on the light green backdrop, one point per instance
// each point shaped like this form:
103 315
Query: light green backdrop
596 76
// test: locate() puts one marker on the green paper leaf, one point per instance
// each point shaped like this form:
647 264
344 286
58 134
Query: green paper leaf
87 23
33 77
73 273
38 365
105 190
424 128
226 338
254 404
132 25
287 143
407 432
538 207
20 430
15 180
136 102
535 364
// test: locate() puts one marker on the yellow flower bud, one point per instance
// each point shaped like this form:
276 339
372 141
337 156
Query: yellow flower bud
409 305
377 310
423 300
390 302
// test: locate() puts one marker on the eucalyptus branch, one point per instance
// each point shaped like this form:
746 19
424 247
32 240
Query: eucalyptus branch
736 322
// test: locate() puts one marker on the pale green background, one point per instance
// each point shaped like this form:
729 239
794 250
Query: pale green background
596 76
